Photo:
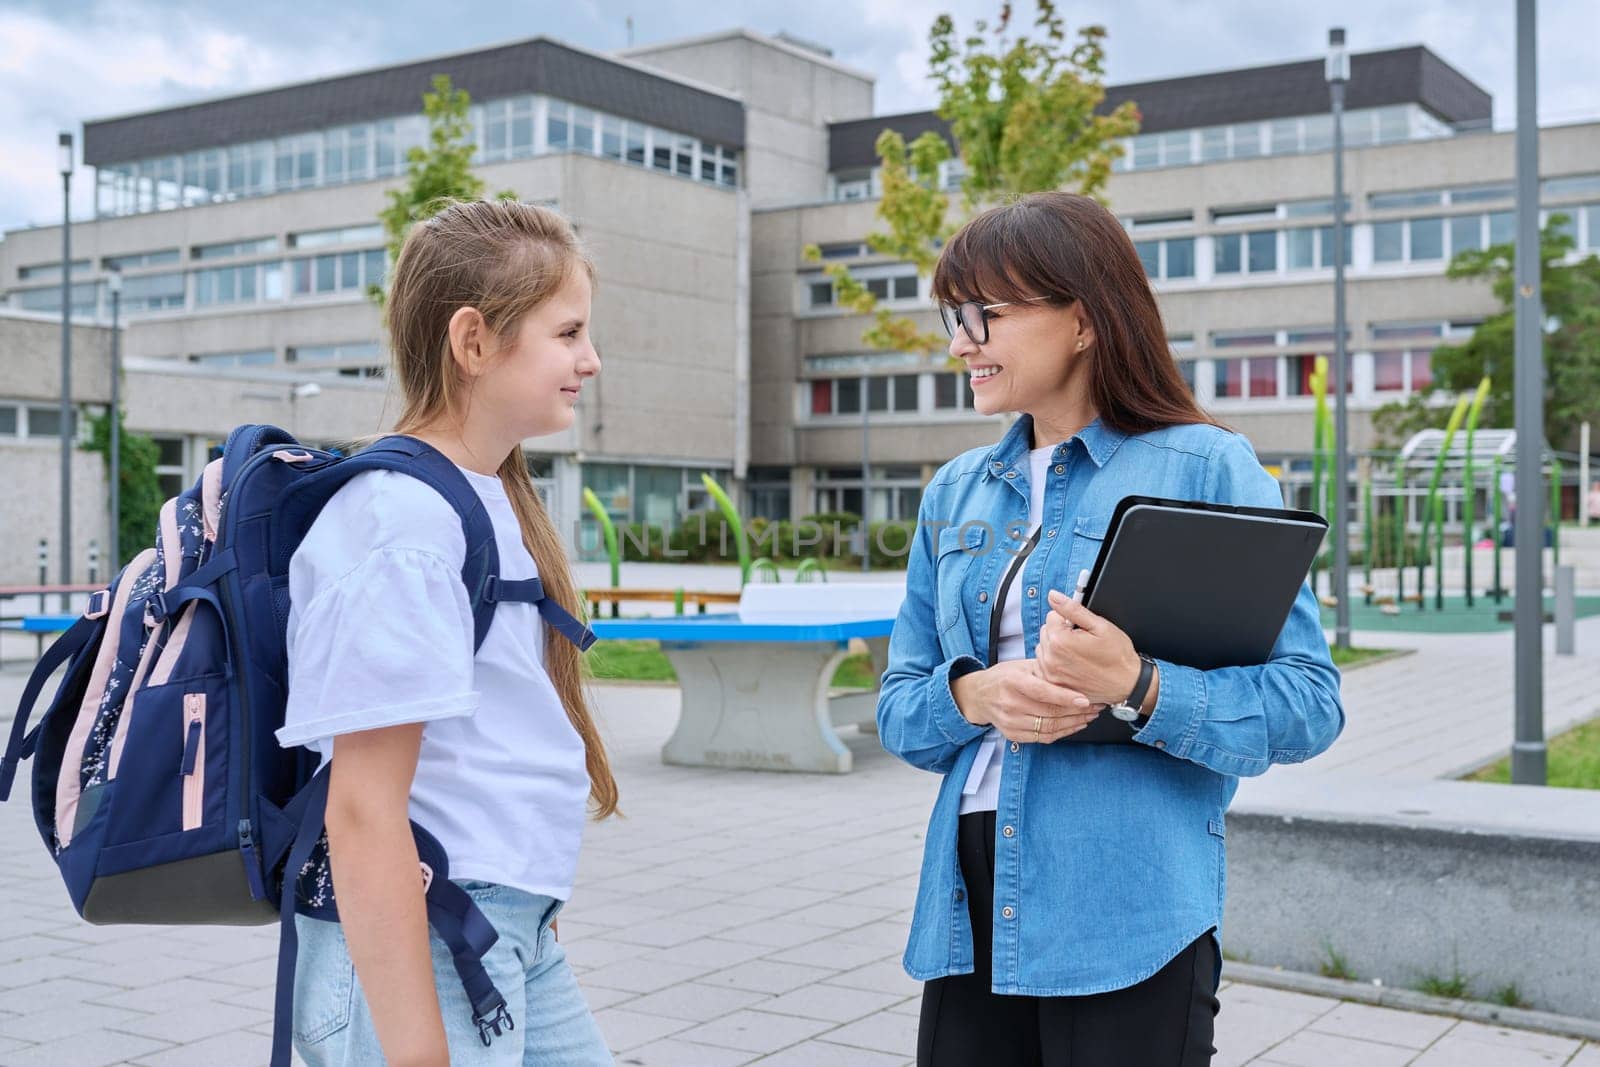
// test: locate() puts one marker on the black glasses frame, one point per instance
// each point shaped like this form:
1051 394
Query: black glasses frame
972 312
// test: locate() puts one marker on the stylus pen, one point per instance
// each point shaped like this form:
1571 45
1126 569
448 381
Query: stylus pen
1083 586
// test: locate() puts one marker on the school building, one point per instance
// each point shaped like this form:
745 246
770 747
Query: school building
245 232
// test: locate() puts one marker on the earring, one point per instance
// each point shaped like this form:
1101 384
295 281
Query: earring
1081 343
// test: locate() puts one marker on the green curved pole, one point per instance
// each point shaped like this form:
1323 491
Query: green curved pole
767 569
1433 493
809 566
1494 505
1469 503
609 532
1319 391
1400 512
731 513
1367 543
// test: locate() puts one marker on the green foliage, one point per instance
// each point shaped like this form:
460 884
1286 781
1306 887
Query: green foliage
703 536
1573 758
642 542
1334 965
1383 545
1571 298
1022 113
891 543
140 499
437 174
1456 986
1509 996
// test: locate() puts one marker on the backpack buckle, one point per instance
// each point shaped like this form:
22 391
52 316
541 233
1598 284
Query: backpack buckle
155 609
491 589
500 1023
99 604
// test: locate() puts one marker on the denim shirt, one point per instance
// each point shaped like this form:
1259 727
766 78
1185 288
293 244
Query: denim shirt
1109 859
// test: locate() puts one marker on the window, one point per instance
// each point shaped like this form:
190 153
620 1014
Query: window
1577 185
153 292
660 149
225 285
1229 377
1502 228
1263 251
8 420
1243 338
1418 198
1150 256
1285 136
821 294
1172 258
952 392
46 422
894 287
1477 194
1318 133
134 260
683 156
1186 371
1466 234
1227 254
1302 367
356 351
1427 239
847 396
844 250
558 132
1263 376
40 272
522 126
1388 242
1214 143
611 137
231 249
1301 248
634 139
1388 372
1246 140
337 272
582 129
251 358
339 235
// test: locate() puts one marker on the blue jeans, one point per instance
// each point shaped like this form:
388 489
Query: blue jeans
333 1025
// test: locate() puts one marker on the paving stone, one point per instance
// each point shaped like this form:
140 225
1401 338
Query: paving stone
833 1003
1313 1048
625 1029
765 976
87 1047
1386 1025
672 1052
755 1031
885 1031
237 1048
822 1053
697 1002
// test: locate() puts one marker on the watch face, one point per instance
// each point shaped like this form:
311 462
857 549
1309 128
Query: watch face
1124 712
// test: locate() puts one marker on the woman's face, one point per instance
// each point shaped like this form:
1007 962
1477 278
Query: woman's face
1035 355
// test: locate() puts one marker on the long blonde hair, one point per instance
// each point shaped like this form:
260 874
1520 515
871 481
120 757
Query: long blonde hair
504 258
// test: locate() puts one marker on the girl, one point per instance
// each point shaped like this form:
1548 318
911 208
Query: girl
1071 894
494 753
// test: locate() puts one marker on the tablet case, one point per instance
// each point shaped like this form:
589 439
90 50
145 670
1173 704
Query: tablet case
1190 583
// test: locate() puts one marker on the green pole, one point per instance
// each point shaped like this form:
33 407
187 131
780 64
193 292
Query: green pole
1319 390
731 515
1367 541
1555 509
1494 506
609 531
1400 511
1469 502
1438 551
1430 509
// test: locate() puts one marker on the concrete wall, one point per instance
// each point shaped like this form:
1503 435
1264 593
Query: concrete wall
790 95
1502 889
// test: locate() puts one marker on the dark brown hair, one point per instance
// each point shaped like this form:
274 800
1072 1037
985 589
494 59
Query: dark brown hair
1069 248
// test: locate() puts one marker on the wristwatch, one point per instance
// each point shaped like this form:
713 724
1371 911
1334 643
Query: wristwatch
1128 710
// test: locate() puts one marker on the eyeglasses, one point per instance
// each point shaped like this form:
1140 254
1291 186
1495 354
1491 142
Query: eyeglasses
974 317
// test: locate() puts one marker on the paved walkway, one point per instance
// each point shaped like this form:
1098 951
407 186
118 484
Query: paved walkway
736 917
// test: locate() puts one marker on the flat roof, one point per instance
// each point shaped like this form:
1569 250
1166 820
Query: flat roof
538 65
1377 79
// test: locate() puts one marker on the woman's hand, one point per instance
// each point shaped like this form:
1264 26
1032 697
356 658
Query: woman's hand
1083 651
1012 697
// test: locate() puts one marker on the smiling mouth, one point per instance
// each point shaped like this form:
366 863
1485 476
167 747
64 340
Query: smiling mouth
982 374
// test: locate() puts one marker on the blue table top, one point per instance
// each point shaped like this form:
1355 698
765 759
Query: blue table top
727 628
48 624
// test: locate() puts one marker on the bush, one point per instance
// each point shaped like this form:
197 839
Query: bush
890 543
826 534
704 536
642 542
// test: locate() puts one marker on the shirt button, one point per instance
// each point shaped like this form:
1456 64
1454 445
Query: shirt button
1161 744
983 598
1011 474
1050 533
1009 831
1008 912
1015 747
961 894
1033 590
1061 468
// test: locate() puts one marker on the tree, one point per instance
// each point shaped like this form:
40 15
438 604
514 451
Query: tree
1571 297
436 174
139 495
1023 116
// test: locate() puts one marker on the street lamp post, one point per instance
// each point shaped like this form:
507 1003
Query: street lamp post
1338 73
114 283
65 547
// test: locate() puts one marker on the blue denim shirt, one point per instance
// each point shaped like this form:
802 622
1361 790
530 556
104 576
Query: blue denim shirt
1109 859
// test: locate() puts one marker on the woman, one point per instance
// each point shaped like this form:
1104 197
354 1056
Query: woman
1071 894
494 752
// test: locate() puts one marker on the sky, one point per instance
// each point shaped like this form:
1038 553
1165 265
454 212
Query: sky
63 62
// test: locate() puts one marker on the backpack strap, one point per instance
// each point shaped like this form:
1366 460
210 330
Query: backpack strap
20 745
451 913
481 569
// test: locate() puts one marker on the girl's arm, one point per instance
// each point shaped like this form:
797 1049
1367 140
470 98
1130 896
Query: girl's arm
378 881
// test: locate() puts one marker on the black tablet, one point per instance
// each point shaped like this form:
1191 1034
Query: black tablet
1204 585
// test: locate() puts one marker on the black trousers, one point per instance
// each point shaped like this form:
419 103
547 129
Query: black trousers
1167 1020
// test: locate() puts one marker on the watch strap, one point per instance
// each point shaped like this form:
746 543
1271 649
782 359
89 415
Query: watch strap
1141 688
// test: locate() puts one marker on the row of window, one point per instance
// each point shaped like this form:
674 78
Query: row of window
512 128
1401 371
356 359
20 420
889 283
949 391
245 283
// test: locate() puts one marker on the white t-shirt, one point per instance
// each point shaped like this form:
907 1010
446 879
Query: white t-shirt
981 791
380 633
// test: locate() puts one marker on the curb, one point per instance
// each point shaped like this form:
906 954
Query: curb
1411 1000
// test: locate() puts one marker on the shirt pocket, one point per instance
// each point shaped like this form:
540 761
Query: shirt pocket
1088 535
958 547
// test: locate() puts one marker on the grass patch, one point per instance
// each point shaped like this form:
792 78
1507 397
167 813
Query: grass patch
1573 760
1349 657
1456 987
643 661
1334 965
1510 996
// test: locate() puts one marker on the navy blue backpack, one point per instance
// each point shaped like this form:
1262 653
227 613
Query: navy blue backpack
158 785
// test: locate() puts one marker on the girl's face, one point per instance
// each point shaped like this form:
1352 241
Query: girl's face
536 377
1034 353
